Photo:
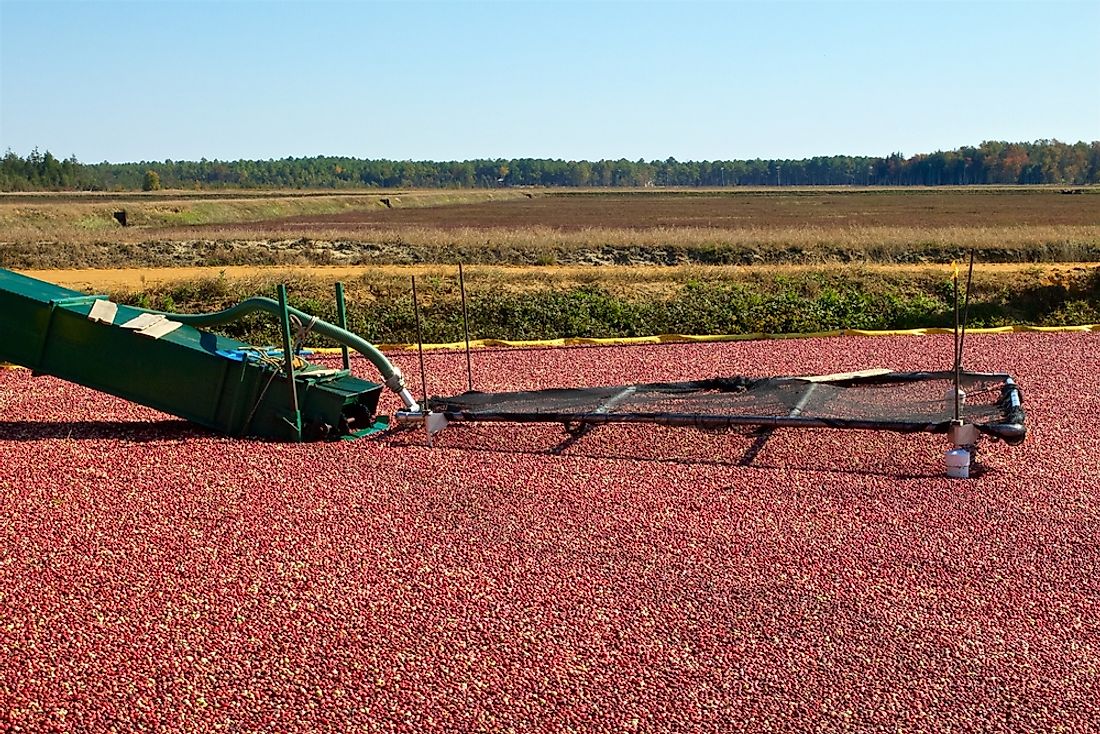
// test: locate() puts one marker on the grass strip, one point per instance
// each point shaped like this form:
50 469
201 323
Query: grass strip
380 307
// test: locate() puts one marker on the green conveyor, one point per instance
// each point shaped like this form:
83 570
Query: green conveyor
165 362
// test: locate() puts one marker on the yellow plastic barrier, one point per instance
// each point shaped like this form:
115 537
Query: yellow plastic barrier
689 338
1088 327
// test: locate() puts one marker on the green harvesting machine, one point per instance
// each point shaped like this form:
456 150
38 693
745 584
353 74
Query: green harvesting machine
170 363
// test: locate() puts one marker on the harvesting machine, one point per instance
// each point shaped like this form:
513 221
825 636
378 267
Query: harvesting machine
171 363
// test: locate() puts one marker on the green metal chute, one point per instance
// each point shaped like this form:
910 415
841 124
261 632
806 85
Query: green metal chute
168 362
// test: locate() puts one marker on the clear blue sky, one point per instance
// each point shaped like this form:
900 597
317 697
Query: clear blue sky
126 81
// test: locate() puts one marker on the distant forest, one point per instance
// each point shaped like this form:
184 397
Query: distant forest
992 162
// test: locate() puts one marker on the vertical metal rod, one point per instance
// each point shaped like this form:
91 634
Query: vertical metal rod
466 330
966 308
423 371
420 345
958 407
288 356
342 321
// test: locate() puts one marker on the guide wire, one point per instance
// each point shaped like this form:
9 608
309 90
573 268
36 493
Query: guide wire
420 343
466 330
966 307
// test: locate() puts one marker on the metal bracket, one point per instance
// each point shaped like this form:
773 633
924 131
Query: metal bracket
433 422
963 435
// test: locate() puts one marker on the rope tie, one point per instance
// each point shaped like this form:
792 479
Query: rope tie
303 330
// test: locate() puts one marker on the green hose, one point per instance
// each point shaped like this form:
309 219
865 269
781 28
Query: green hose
390 374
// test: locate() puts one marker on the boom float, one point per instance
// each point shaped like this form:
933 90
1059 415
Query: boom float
871 400
165 361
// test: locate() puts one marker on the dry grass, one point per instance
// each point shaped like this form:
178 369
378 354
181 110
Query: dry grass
617 279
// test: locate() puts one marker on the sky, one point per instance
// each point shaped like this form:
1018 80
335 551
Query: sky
157 80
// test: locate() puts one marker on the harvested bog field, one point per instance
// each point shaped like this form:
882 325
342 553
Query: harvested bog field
157 577
734 210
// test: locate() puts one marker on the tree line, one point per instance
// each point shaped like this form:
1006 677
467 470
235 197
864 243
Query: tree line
992 162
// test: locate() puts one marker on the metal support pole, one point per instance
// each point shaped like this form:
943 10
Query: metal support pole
966 308
420 346
466 330
288 356
958 377
342 321
423 372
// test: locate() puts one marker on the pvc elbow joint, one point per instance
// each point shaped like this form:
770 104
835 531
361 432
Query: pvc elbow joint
396 382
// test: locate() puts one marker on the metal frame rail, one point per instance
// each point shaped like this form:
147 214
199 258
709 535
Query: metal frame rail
1011 430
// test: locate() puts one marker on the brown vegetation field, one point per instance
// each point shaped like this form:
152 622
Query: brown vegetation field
756 209
514 227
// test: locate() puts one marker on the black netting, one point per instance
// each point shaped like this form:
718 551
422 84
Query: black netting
909 402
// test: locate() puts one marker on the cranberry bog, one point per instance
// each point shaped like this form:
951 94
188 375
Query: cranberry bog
734 208
157 577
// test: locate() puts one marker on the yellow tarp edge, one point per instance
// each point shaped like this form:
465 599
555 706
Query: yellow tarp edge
689 338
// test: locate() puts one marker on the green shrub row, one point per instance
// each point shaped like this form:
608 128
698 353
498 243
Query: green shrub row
779 304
